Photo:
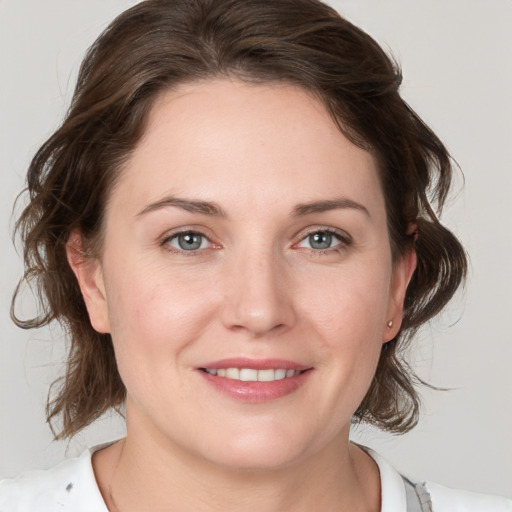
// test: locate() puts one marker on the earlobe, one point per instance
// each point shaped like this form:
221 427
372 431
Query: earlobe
402 274
88 272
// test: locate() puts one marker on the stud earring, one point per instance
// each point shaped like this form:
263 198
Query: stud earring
390 324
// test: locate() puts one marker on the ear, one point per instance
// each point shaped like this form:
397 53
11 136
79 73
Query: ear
402 273
89 274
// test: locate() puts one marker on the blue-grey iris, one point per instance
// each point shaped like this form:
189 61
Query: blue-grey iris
320 240
190 241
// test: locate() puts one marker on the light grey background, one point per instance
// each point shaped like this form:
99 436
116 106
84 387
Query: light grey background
456 56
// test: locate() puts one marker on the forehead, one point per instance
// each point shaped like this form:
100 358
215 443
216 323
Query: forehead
263 143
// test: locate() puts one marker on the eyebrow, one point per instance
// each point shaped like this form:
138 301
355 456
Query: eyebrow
190 205
214 210
327 205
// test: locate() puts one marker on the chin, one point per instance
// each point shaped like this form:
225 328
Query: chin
256 460
257 451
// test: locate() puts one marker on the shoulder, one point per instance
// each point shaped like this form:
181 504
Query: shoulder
453 500
398 494
68 487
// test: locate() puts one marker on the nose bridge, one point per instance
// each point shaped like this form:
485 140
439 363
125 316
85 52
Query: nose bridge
258 293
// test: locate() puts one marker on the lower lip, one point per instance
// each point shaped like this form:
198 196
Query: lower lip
256 392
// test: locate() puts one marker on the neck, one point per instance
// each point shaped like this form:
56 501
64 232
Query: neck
143 473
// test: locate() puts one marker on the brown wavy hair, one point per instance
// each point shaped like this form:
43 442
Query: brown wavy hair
159 44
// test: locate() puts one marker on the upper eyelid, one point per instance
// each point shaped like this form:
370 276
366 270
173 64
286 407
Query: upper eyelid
340 233
173 233
301 235
166 239
345 241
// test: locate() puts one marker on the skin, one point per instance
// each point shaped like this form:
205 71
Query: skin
256 288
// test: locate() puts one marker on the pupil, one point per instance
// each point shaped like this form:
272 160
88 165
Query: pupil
321 240
189 241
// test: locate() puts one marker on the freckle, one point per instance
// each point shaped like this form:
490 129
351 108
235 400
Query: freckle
69 487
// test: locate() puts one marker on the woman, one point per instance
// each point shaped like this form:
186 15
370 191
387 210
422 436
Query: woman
235 224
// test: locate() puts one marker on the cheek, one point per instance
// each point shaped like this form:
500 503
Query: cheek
348 316
349 305
154 314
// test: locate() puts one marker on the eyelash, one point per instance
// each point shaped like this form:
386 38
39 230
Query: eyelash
343 238
166 242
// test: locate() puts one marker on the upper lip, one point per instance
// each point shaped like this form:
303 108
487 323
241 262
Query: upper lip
255 364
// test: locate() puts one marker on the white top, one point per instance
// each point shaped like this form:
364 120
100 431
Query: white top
71 487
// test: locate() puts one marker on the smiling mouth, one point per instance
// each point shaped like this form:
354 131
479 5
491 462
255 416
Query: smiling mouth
253 375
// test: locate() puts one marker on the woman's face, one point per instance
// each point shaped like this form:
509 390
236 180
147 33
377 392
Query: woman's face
246 239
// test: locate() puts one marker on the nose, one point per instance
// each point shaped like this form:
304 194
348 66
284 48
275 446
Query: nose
258 296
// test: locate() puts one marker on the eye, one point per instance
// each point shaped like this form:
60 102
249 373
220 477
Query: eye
321 240
188 241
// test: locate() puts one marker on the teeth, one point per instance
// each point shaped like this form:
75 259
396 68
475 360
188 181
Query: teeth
252 375
248 375
233 373
266 375
279 374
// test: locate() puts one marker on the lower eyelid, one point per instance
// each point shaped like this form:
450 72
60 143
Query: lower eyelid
342 240
166 241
